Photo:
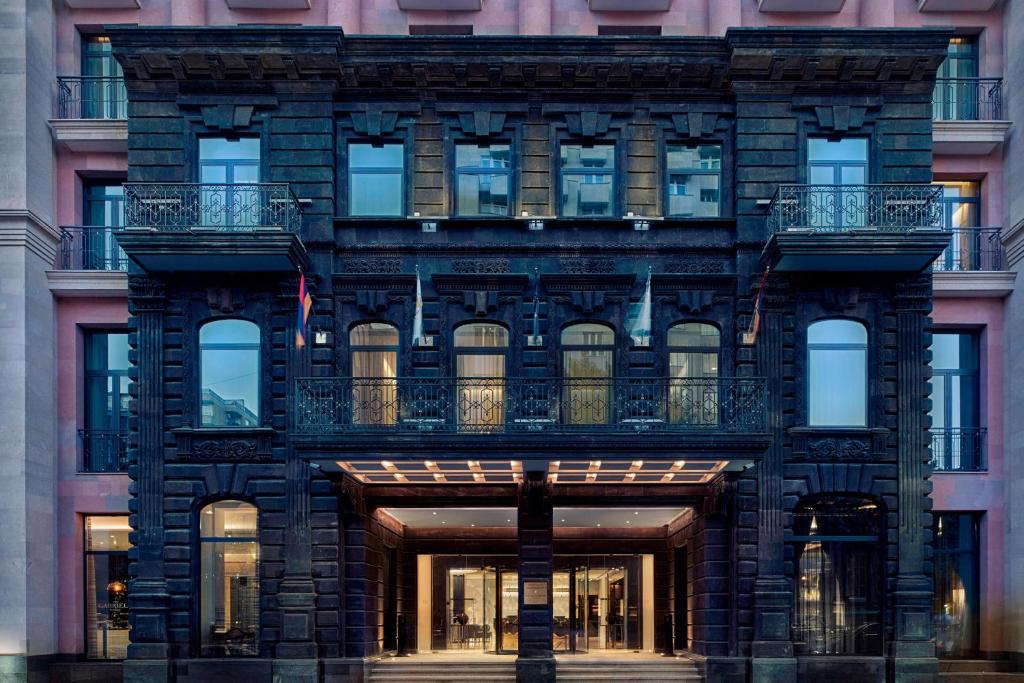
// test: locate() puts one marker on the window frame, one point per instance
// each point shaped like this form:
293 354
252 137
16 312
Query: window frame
833 346
946 376
974 552
403 173
613 173
86 554
510 173
114 435
220 346
669 171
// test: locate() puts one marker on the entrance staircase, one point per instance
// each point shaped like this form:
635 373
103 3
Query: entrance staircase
978 671
444 669
584 669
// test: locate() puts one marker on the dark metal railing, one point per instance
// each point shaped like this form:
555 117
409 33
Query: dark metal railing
90 247
967 99
104 450
333 405
179 207
972 249
91 97
843 208
959 449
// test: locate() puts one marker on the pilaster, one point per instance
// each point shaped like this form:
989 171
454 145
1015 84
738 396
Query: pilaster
536 662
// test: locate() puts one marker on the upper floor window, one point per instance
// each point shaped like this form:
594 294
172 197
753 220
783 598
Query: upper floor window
226 167
837 373
105 437
103 94
842 161
229 583
106 586
958 94
229 356
376 179
588 180
587 365
693 369
694 180
839 579
956 438
480 358
102 212
483 176
374 349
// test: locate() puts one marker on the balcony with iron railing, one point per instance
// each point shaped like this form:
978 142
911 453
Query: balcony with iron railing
212 226
883 227
959 449
90 247
544 406
972 250
967 116
103 451
91 114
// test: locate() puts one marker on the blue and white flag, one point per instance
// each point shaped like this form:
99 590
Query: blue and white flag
417 321
638 322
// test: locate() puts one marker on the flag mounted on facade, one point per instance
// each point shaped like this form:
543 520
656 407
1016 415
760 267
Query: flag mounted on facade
535 339
305 305
750 336
417 321
639 320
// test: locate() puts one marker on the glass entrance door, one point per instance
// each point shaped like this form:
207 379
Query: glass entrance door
509 613
474 604
569 608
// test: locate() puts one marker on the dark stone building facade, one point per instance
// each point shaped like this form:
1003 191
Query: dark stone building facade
249 149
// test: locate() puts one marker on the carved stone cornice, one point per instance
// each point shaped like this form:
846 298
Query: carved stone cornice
512 283
587 282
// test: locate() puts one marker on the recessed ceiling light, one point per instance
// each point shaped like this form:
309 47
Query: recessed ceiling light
599 523
443 522
563 520
472 524
434 513
635 513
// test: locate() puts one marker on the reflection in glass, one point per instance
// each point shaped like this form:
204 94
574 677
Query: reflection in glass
838 597
104 207
837 358
483 174
376 178
836 163
961 207
229 599
588 180
956 546
229 354
694 180
587 371
106 401
222 164
480 368
103 95
374 348
106 587
693 369
955 400
956 96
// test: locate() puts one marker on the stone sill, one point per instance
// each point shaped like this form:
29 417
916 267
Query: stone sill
970 284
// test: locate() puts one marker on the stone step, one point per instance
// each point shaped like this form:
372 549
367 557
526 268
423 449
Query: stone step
975 665
981 677
442 677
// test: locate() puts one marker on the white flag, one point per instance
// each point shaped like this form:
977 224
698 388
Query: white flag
417 321
639 320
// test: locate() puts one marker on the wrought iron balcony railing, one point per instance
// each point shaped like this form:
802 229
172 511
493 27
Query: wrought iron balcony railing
90 247
967 99
490 405
104 450
91 97
959 449
845 208
180 207
972 249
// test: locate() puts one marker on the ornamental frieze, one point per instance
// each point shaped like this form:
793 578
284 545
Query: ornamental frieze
224 444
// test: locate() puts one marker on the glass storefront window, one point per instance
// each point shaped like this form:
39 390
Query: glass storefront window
838 596
956 548
229 599
106 586
229 353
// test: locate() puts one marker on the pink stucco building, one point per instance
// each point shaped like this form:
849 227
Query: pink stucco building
64 149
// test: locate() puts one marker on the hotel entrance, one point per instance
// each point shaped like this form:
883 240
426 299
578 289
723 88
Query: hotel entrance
597 603
474 603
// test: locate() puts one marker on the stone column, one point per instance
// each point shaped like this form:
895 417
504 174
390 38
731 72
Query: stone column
912 651
148 599
536 663
772 649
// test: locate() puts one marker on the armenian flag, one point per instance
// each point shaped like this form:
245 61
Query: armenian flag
305 304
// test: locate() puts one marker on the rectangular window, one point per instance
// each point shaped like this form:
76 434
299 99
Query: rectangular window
102 213
957 440
105 433
956 550
376 180
226 167
482 180
969 248
833 165
694 181
958 92
106 587
103 93
588 180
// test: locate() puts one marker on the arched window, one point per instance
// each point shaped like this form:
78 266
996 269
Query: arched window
374 349
229 357
693 373
837 373
229 584
587 353
480 350
838 596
